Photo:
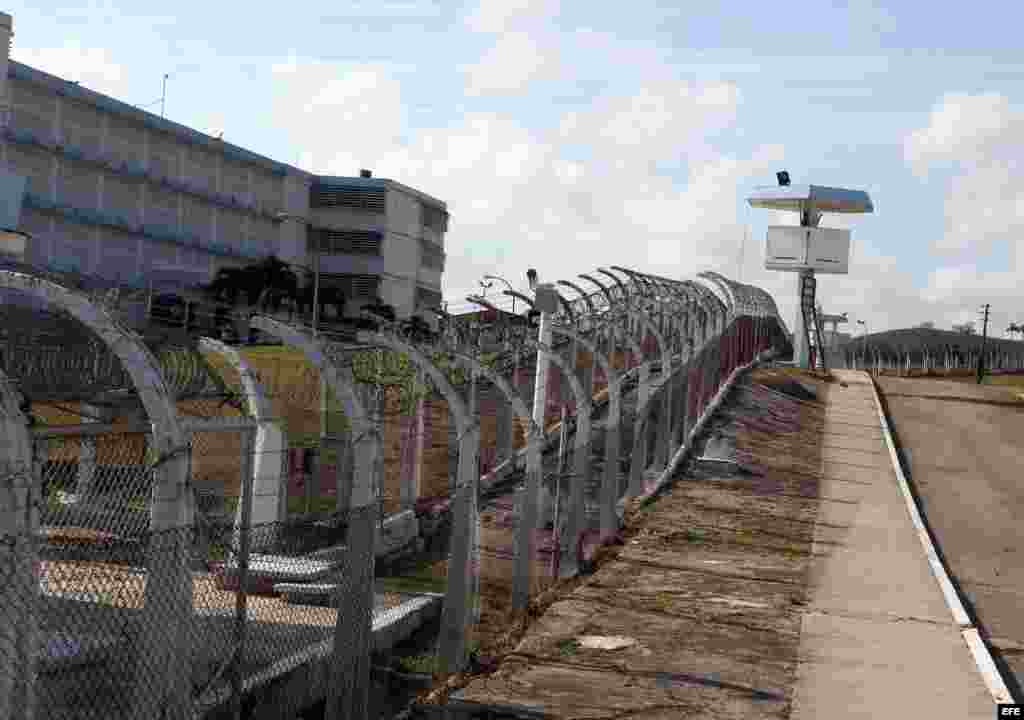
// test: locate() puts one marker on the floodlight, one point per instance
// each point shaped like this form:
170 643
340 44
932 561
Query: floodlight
531 277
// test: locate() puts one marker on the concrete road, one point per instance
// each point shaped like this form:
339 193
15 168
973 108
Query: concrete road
876 639
964 447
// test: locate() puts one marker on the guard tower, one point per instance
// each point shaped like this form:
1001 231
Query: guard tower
807 248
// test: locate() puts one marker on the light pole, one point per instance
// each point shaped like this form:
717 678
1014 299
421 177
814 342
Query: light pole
508 284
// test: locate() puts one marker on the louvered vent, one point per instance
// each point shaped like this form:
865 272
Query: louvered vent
345 242
354 286
368 199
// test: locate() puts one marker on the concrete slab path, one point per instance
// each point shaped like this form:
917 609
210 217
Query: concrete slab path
877 638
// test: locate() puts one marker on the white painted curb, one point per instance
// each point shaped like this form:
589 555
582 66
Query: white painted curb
982 657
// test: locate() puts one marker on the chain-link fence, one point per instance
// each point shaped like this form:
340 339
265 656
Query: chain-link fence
256 616
329 504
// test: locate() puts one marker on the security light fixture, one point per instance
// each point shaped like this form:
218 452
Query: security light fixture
807 248
531 277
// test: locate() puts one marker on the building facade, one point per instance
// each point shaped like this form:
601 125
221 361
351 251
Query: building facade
125 194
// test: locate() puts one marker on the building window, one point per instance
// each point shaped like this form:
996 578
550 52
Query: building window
345 242
367 199
431 256
435 218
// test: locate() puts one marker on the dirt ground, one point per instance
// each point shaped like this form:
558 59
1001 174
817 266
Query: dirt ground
703 600
964 447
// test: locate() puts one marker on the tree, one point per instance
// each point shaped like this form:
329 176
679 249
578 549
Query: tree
1014 328
966 328
928 325
265 282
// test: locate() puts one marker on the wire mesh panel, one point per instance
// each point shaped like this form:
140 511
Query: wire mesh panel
95 486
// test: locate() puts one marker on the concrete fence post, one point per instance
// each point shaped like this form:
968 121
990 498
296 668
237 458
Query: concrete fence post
504 428
610 485
349 688
344 470
242 542
526 530
580 479
19 588
455 618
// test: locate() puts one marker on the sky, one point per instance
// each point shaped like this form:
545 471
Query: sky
565 136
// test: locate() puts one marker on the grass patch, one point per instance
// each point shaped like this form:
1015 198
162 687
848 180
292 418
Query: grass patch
423 664
425 576
1004 380
293 386
568 647
323 504
694 536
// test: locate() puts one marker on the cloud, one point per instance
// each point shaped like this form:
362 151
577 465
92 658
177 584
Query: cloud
497 16
974 140
963 129
92 67
343 116
658 118
513 62
564 197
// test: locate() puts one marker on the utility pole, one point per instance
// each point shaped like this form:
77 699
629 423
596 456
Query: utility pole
984 337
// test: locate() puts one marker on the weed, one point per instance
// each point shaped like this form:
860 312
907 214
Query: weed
693 535
568 646
424 663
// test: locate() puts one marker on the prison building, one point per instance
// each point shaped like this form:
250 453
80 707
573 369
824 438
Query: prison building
127 195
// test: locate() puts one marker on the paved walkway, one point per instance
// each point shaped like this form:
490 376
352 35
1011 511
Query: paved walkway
877 639
788 584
